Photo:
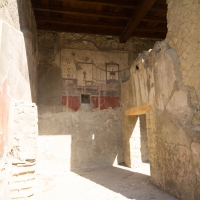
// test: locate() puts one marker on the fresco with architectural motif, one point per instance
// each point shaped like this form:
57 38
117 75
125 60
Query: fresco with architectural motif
96 74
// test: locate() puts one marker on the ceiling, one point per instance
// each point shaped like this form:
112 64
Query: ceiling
123 18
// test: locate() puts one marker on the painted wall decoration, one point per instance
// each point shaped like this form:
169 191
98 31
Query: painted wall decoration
95 73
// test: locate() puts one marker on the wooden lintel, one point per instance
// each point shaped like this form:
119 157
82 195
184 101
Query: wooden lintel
139 110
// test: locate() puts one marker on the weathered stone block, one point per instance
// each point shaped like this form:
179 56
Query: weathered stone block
26 192
22 177
196 155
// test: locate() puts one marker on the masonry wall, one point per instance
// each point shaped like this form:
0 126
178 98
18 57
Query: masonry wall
173 142
18 73
183 35
72 65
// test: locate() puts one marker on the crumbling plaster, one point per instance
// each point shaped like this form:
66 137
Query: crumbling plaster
173 140
167 78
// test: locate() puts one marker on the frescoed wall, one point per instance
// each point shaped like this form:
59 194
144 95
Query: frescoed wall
73 64
93 73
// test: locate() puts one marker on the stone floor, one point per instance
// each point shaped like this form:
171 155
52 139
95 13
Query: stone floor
115 182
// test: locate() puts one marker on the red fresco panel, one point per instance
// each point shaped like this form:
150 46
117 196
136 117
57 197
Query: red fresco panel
4 111
64 100
107 102
95 102
1 121
72 102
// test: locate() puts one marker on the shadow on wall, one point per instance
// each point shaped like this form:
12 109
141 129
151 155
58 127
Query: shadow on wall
80 140
29 29
135 140
144 139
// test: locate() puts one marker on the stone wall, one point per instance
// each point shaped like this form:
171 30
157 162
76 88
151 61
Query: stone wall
23 155
173 141
18 70
79 140
71 65
183 35
143 139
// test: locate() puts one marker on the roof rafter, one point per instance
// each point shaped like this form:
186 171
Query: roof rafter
90 23
114 3
76 29
155 19
149 35
152 29
85 12
136 18
158 7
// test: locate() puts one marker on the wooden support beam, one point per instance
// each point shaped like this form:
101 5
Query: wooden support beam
136 18
160 8
150 35
155 19
152 29
80 12
139 110
90 23
113 3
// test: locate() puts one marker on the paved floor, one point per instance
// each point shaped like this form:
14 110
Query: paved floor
116 182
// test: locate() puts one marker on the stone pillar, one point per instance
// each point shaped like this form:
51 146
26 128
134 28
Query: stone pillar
23 136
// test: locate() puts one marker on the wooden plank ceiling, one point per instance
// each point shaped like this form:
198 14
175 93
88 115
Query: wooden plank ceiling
123 18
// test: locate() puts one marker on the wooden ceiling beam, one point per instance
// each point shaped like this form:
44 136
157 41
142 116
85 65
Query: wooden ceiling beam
150 35
89 23
157 7
81 12
113 3
77 29
152 29
137 33
138 15
155 19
